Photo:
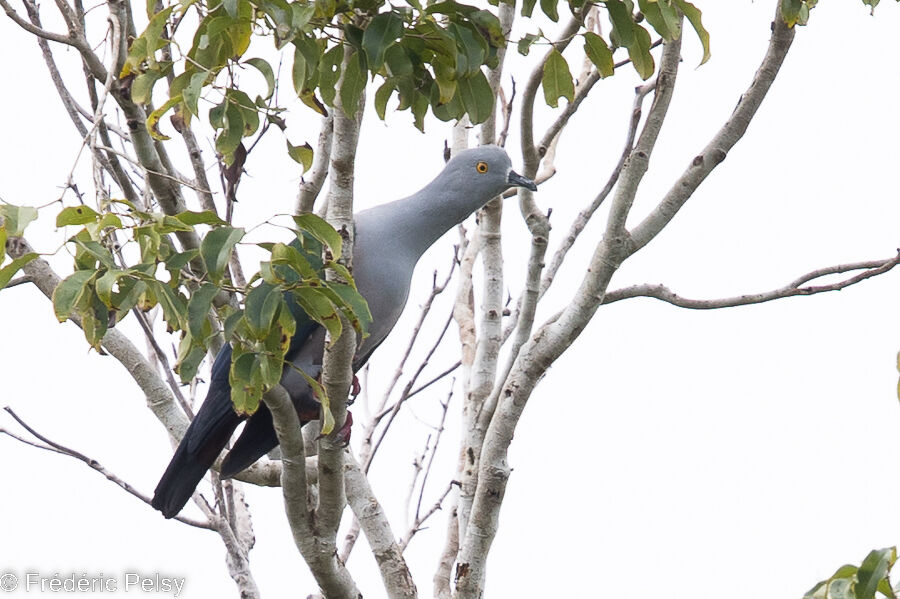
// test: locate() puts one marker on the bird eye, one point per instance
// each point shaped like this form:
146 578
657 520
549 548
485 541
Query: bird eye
481 167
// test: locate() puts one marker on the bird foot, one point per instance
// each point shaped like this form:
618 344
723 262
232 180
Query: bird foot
355 388
342 436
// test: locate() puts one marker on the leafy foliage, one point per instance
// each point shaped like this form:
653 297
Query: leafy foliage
194 296
866 581
13 220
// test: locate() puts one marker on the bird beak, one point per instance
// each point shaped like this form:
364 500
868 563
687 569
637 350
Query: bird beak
517 180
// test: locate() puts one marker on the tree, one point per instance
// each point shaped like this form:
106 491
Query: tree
495 391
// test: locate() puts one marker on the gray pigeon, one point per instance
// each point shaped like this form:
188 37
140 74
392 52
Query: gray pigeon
389 241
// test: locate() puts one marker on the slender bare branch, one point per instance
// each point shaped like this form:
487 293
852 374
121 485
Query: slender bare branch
404 396
585 85
310 187
871 268
585 215
725 139
91 462
35 30
159 397
420 519
437 441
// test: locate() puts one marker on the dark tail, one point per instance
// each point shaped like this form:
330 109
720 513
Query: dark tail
257 439
204 440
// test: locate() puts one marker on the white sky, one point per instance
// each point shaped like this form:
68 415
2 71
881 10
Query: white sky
668 453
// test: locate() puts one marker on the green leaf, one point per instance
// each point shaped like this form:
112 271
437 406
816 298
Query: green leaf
94 322
173 305
329 71
144 47
352 85
660 15
383 30
109 220
96 250
398 62
69 292
232 130
319 307
472 50
790 11
290 256
265 69
599 53
873 570
76 215
694 16
206 217
525 43
191 93
176 262
622 22
8 271
528 7
322 231
301 13
872 4
487 22
639 52
16 218
261 307
142 86
354 307
301 154
298 71
320 393
198 308
557 79
245 378
282 17
156 115
249 112
381 98
477 97
549 8
3 238
190 355
419 108
216 249
104 286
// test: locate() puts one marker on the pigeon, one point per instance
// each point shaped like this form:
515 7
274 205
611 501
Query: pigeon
389 240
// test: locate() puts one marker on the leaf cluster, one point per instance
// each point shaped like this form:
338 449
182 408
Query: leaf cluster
192 289
866 581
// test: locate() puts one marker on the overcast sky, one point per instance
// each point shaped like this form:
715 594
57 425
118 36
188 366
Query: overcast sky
669 453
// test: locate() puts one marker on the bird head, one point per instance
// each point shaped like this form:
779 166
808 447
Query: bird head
487 170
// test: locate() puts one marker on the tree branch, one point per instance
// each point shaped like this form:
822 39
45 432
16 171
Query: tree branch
159 398
310 188
91 462
872 268
717 149
493 469
398 581
329 572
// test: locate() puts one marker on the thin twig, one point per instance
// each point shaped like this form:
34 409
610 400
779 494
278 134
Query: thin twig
872 268
420 520
94 464
437 440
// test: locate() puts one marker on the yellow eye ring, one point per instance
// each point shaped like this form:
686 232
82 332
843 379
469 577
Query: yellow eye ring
481 167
